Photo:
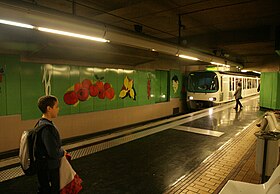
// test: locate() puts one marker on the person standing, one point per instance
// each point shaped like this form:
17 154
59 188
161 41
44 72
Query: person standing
238 96
48 151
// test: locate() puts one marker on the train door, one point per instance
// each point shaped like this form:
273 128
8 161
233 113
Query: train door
224 88
231 88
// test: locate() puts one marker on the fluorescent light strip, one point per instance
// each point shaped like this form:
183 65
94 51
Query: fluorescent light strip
188 57
16 24
215 63
257 72
53 31
72 34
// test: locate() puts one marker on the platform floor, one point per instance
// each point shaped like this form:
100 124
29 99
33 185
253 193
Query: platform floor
192 153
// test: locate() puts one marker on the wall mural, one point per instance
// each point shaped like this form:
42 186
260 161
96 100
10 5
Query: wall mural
86 89
149 87
127 89
80 89
1 73
1 77
175 83
46 80
150 77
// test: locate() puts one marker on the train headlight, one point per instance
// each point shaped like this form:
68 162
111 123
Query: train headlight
190 97
212 99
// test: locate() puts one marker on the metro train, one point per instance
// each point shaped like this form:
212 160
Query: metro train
209 88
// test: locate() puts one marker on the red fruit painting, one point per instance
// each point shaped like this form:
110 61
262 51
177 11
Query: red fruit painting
101 94
83 91
100 85
107 86
86 83
70 98
110 93
93 90
83 94
77 87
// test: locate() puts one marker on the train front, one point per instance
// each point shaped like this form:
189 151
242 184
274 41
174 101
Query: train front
202 89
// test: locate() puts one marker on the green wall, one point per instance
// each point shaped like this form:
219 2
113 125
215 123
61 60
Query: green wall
270 90
23 83
10 90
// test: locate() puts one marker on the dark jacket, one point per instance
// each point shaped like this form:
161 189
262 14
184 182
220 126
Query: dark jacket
49 144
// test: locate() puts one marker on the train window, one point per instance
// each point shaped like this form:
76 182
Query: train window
221 83
232 83
237 80
249 83
255 83
203 82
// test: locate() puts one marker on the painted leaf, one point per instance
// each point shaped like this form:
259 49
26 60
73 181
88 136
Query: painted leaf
130 84
125 82
132 94
123 93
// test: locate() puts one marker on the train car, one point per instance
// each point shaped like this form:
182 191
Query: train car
209 88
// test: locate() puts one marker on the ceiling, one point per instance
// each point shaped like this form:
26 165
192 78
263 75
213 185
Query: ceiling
242 31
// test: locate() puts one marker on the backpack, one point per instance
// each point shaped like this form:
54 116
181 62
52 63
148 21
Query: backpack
27 149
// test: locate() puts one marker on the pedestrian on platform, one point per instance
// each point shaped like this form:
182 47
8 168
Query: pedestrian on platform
48 149
238 96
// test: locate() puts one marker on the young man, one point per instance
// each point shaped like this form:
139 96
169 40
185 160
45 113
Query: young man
237 95
48 150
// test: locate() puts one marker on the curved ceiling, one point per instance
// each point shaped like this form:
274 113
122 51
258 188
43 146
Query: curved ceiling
242 31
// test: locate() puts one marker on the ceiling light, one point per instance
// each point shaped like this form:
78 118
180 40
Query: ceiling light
72 34
53 31
215 63
188 57
16 24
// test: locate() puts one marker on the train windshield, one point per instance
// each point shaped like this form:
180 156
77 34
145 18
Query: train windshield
203 82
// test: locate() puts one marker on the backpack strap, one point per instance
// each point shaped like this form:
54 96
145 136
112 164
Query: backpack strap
38 133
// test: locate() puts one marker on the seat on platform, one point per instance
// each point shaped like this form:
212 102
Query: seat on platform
272 119
272 186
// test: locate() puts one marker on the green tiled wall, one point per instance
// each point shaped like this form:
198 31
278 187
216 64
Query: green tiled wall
22 84
270 90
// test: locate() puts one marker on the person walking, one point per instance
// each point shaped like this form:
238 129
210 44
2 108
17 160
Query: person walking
48 149
238 96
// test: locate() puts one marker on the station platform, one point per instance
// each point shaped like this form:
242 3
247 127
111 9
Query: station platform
191 153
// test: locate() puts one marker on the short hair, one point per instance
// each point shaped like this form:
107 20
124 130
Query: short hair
239 84
45 101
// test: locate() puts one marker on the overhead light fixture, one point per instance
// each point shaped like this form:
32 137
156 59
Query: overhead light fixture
188 57
72 34
16 24
12 23
215 63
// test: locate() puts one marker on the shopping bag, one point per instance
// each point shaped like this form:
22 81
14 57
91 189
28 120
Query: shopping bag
70 182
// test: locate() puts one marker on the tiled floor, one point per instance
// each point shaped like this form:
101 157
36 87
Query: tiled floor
195 153
234 161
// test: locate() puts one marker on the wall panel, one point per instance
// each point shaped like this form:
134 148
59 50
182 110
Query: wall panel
31 89
3 96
